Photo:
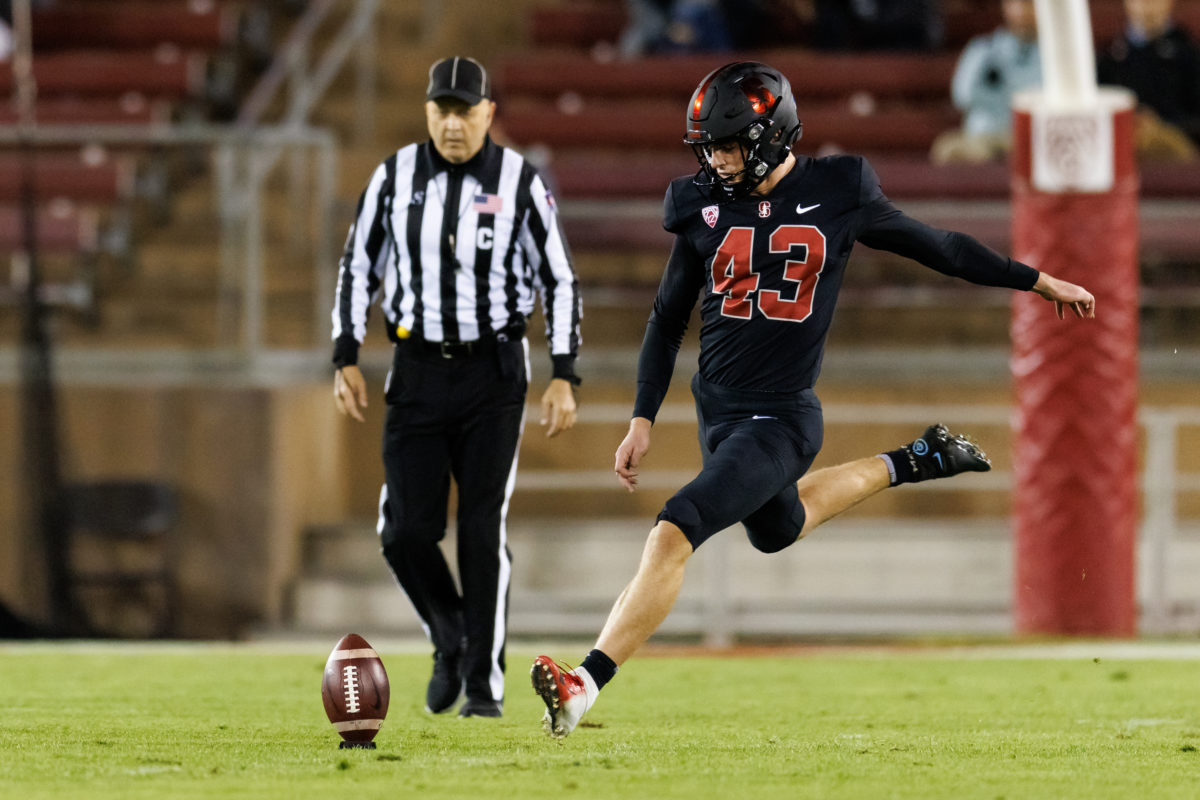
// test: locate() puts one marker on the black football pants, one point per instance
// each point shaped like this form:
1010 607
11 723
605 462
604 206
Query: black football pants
457 418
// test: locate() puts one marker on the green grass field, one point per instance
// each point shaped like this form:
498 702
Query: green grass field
235 721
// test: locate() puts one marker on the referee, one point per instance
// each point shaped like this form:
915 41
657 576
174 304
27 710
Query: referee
455 236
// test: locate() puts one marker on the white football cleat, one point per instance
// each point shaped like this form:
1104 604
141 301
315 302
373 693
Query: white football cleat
566 693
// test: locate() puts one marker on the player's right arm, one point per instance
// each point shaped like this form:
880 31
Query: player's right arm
681 283
677 293
629 455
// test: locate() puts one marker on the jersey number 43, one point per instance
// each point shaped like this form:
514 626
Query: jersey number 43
734 274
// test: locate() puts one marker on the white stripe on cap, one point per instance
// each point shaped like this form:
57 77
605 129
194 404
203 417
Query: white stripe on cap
454 74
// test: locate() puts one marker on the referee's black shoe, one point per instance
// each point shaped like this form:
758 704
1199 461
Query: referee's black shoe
446 684
481 707
940 454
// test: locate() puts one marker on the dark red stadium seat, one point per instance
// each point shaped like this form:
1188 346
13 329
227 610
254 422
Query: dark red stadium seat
69 175
61 228
819 76
130 109
580 24
163 73
136 24
659 125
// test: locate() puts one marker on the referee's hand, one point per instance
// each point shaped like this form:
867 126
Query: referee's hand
350 391
558 407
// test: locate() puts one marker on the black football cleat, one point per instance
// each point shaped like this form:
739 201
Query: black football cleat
446 684
940 454
480 707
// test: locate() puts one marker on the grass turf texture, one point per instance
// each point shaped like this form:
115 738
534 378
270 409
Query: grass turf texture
231 722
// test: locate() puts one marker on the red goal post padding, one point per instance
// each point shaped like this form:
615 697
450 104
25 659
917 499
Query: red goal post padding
1075 459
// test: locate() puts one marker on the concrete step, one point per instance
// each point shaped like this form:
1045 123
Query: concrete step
854 576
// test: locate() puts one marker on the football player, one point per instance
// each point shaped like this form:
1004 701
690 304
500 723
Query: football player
762 237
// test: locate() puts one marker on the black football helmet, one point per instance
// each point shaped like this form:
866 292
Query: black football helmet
746 102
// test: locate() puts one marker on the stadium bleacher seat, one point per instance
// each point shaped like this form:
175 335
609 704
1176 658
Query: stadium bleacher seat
134 25
163 72
62 228
80 177
129 109
660 125
818 76
126 62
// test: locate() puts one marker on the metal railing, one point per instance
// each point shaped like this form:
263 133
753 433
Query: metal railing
305 82
243 160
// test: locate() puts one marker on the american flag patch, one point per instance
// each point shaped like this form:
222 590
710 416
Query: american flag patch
487 204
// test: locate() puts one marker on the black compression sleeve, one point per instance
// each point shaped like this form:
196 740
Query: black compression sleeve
677 292
949 252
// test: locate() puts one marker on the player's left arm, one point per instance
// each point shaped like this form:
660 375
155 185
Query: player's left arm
963 256
1065 294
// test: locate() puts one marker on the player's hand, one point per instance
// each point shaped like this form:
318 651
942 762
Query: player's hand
350 392
558 407
631 451
1063 293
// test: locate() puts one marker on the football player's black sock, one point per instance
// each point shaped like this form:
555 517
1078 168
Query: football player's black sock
600 667
899 465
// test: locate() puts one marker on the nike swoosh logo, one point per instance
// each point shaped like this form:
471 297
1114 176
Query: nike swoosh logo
803 209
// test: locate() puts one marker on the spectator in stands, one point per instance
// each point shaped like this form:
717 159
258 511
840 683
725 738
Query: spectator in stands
878 24
992 67
6 25
1160 62
6 31
690 26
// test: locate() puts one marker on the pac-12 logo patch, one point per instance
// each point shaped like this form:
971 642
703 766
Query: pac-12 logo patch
710 215
764 209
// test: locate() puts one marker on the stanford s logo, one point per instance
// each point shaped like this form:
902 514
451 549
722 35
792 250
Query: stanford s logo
710 215
764 209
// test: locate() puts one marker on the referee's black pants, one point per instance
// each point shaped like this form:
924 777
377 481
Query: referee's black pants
459 417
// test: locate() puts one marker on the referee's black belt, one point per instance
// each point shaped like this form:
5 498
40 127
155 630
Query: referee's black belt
486 343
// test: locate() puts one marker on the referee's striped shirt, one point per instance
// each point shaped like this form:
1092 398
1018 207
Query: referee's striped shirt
457 251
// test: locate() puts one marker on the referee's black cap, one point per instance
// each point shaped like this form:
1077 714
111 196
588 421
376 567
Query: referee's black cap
460 77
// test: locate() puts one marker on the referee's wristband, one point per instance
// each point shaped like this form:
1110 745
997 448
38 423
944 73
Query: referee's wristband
345 351
564 368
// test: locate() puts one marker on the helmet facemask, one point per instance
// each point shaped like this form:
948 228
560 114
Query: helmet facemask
759 158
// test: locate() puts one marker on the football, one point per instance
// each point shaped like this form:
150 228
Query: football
355 691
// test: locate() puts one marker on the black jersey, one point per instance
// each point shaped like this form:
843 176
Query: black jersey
768 271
